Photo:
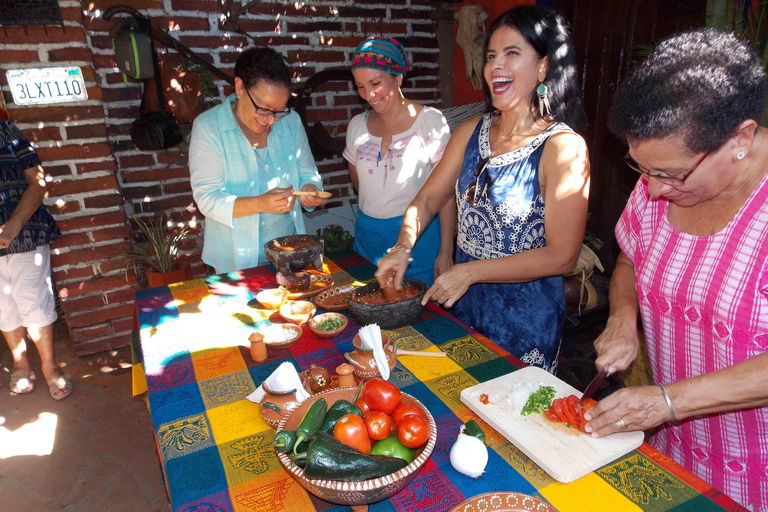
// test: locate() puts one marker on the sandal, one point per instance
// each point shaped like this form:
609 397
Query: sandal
22 382
59 383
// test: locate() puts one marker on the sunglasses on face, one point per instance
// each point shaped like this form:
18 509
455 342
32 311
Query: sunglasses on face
675 181
265 112
471 195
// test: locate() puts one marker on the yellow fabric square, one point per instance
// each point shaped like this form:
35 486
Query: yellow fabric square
183 294
448 387
581 496
429 368
273 492
234 421
138 379
249 457
217 362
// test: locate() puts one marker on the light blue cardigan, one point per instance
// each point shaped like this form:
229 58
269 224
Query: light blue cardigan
223 167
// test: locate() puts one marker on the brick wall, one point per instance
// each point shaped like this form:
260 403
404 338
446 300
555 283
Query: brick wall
99 179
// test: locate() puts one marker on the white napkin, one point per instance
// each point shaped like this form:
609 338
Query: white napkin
370 335
284 378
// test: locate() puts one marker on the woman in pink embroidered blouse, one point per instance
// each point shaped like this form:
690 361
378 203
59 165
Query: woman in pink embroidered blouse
694 262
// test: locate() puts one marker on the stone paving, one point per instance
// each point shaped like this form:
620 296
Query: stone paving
103 454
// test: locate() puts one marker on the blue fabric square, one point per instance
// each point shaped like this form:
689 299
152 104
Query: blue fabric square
440 329
195 476
167 405
265 369
432 402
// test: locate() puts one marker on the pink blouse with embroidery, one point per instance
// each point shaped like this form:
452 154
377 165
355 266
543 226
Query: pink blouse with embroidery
704 306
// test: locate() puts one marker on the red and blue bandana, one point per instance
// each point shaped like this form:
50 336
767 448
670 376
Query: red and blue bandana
381 53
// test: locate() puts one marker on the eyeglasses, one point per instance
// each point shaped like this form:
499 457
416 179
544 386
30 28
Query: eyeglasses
471 195
675 181
265 112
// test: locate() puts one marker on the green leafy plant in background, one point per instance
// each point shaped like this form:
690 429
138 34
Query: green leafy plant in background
336 238
163 249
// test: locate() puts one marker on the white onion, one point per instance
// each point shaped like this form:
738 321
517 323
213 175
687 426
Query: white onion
469 456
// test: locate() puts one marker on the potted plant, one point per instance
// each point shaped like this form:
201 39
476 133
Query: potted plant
161 256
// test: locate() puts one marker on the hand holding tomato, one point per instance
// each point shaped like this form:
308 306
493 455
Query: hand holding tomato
381 395
351 431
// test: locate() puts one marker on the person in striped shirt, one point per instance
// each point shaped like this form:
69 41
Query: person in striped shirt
694 262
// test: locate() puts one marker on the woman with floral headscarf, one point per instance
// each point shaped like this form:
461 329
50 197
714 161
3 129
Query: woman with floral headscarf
392 149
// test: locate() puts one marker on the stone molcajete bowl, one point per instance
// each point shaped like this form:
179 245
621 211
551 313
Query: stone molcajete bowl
392 315
295 252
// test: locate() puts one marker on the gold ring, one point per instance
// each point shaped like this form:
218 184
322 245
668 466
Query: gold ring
620 425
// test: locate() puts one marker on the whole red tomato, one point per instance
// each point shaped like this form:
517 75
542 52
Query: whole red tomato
404 410
413 431
351 431
360 402
381 395
378 424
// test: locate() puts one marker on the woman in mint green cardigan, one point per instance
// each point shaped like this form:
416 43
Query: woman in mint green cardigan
246 158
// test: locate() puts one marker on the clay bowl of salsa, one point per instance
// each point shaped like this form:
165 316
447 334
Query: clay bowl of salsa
295 252
369 305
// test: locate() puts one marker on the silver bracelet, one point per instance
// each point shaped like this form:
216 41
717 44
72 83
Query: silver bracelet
669 402
402 248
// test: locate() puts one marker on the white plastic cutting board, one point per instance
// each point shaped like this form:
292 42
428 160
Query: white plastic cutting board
562 452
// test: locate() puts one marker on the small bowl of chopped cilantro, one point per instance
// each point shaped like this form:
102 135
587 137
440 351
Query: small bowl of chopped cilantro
328 325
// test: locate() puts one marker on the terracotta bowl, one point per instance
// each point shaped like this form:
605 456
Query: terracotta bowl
298 312
504 502
362 360
272 298
285 342
364 491
295 252
388 316
319 319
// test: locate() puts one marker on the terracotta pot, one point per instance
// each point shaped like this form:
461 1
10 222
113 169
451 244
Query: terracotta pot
157 279
361 359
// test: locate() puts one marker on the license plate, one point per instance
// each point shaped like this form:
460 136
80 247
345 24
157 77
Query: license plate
34 86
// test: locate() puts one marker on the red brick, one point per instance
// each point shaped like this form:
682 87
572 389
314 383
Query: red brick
136 4
122 324
103 42
140 194
106 165
116 264
333 204
67 207
170 156
316 56
177 188
96 317
87 131
339 180
44 133
381 28
363 12
104 201
61 188
280 40
334 167
35 34
72 240
20 56
122 94
183 23
104 60
343 100
89 255
327 114
131 161
348 42
155 175
313 26
58 170
91 221
89 333
70 54
74 152
118 233
121 296
108 343
191 5
56 114
162 205
72 306
96 285
258 25
73 273
214 42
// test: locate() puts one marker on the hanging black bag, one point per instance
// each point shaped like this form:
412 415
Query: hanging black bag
153 131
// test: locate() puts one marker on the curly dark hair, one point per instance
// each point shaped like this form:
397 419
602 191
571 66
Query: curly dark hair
700 85
257 64
546 32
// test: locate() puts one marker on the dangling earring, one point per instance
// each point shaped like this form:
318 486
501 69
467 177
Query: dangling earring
740 155
543 92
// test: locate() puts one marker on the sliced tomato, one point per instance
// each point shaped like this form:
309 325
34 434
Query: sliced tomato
571 416
585 406
575 405
551 416
557 410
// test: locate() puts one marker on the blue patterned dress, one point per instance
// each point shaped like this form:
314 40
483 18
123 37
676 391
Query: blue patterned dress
526 319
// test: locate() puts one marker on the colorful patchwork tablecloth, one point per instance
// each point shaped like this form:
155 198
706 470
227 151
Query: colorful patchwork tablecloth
216 452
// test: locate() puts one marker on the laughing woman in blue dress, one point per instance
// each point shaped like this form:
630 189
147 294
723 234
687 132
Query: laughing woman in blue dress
520 176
